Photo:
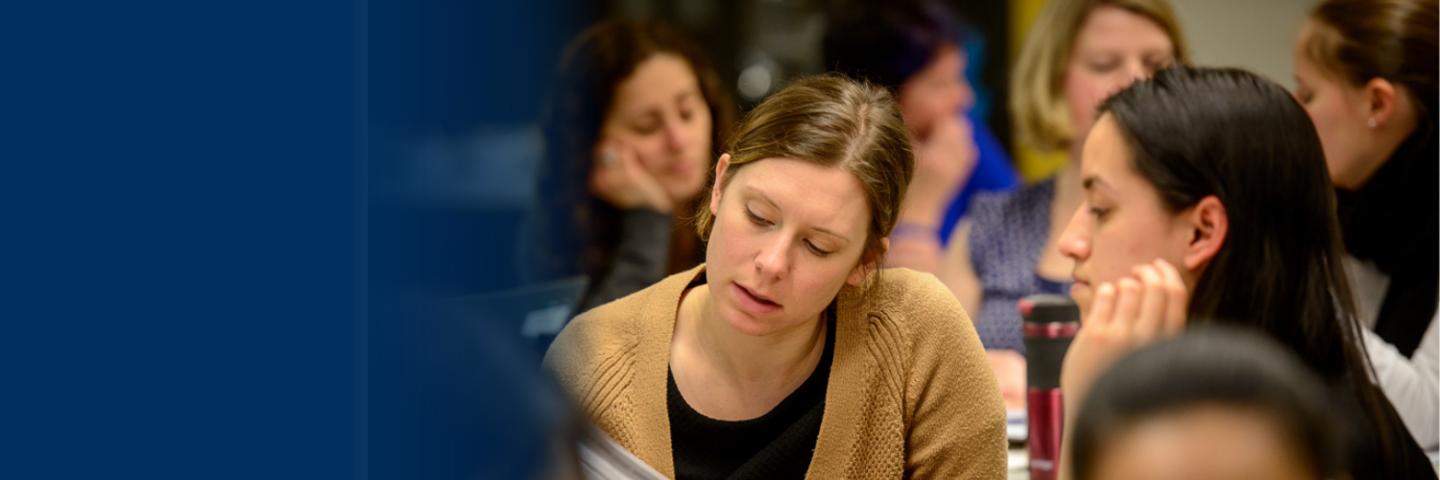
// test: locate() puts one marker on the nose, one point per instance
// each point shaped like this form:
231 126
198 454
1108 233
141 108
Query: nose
1075 240
1134 71
773 262
679 136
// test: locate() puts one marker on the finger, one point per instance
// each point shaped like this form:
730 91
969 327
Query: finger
1127 304
1152 303
1177 301
1102 306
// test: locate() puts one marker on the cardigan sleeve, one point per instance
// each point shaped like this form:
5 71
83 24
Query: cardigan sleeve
956 415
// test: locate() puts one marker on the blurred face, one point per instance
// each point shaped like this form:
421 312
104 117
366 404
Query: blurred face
937 91
788 234
1202 443
660 112
1122 222
1112 49
1340 112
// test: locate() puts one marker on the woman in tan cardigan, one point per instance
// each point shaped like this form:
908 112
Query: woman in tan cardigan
788 354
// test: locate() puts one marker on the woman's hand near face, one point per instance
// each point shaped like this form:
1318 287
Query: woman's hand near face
1141 309
943 162
1122 319
619 179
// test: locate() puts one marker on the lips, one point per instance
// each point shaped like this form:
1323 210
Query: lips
1079 285
683 167
753 302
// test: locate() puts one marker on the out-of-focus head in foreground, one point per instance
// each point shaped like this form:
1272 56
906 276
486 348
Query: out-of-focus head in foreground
1217 403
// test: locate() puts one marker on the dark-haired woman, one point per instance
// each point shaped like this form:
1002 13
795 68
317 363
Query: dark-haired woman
631 128
914 49
1366 72
1077 53
1218 402
1206 197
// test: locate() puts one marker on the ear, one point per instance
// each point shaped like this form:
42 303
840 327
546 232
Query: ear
1209 224
868 263
1380 94
720 167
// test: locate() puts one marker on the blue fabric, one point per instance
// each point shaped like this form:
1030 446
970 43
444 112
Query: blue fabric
1007 236
994 172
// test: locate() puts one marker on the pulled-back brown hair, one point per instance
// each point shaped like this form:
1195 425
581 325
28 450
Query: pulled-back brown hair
1360 40
836 122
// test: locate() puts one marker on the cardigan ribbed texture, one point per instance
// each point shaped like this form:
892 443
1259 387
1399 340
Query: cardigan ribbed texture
910 394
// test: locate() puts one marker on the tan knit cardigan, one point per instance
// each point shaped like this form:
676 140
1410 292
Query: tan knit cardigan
910 393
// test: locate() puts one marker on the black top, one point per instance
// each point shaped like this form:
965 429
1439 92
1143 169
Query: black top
1394 221
1362 441
778 444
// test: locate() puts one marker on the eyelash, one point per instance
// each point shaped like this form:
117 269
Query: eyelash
763 222
756 218
1099 213
1151 67
1102 67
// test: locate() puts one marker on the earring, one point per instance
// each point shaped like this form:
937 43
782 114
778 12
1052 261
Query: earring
1371 122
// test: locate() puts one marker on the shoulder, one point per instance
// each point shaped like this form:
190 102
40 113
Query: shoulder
607 337
915 301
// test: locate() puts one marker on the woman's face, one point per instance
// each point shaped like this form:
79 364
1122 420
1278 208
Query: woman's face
937 91
1201 443
660 112
1122 222
1113 48
788 234
1340 112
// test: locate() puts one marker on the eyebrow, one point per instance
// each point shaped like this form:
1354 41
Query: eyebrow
766 198
1090 182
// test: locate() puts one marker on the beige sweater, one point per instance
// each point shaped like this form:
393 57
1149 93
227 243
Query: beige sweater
910 392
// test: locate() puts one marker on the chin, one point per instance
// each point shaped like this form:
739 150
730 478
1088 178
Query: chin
688 188
744 323
1081 294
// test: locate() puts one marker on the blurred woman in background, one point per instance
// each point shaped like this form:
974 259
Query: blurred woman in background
1366 73
1216 403
1077 53
631 128
1206 198
913 49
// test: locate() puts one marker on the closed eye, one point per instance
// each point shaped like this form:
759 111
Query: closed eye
756 218
816 250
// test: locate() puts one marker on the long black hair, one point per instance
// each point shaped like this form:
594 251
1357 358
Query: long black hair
1216 365
570 230
1197 132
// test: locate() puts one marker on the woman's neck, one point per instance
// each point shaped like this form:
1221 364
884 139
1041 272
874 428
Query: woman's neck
778 360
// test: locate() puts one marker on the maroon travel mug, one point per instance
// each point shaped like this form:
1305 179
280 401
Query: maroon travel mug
1050 323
